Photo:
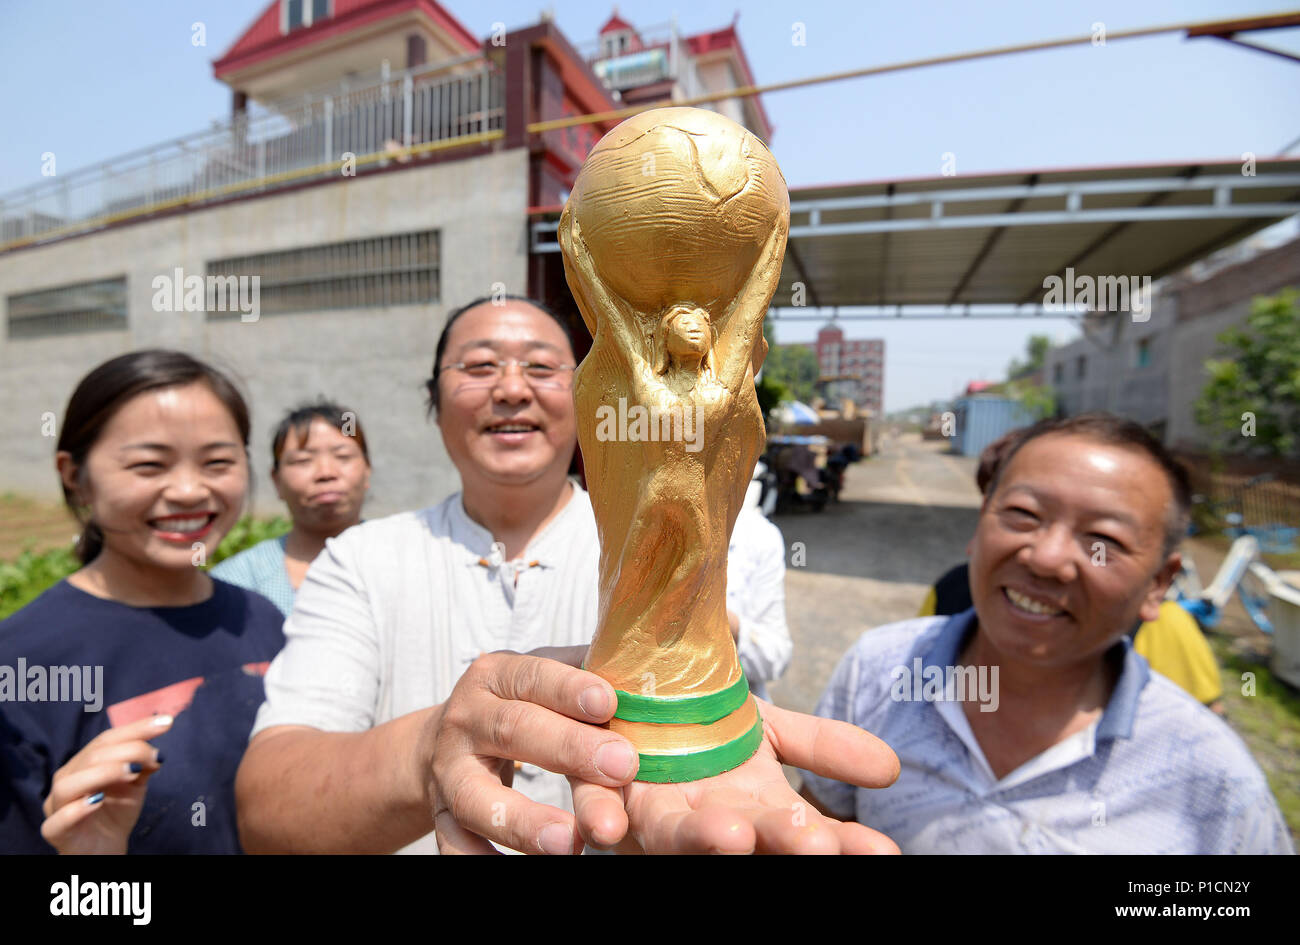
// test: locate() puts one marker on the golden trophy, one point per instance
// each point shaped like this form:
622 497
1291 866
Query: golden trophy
673 238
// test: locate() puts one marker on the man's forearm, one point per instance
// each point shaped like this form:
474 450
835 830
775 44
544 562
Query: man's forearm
301 790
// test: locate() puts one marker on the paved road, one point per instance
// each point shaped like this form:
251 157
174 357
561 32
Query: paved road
904 518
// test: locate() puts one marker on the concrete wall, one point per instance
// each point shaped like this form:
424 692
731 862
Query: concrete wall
373 360
1113 379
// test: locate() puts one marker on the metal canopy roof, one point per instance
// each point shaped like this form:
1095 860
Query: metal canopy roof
993 239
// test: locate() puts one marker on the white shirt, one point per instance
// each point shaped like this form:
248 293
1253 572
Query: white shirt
756 592
394 610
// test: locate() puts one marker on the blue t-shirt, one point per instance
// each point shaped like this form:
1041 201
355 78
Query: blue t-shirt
73 665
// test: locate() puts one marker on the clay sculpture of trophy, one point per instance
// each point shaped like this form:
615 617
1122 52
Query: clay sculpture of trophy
673 238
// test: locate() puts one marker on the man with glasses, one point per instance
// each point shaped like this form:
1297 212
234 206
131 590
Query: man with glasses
394 721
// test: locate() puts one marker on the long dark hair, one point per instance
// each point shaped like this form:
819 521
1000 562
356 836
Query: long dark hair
103 391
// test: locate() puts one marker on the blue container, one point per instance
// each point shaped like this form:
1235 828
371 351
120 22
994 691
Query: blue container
981 420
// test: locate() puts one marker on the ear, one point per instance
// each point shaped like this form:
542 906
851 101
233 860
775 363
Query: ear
68 474
1160 586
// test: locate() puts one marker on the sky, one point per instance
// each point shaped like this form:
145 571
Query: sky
91 80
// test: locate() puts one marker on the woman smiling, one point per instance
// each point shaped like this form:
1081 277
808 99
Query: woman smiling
153 462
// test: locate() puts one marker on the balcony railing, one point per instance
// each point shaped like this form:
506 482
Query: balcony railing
394 118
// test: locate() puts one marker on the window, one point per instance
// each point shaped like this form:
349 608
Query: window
68 310
1142 353
370 273
295 14
1080 367
1058 372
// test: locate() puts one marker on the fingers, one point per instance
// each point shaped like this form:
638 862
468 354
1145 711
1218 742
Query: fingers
546 682
599 811
568 655
453 839
143 730
57 825
87 781
534 735
835 750
481 805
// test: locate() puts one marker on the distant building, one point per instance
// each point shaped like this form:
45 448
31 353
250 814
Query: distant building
661 64
1153 371
849 369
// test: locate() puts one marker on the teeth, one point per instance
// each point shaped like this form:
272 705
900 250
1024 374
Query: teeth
1029 604
513 428
182 524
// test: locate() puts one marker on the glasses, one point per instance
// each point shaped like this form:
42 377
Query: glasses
539 374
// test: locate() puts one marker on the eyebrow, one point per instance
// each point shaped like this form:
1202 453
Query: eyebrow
1123 518
496 345
167 447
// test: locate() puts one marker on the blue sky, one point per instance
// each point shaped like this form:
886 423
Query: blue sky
88 81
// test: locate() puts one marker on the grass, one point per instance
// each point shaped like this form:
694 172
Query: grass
1267 721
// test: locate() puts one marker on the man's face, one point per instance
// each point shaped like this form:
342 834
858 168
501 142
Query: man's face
507 431
1067 555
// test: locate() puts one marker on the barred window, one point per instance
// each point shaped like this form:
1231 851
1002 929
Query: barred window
385 270
68 310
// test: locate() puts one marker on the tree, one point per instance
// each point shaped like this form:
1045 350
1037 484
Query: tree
794 367
1252 398
1036 348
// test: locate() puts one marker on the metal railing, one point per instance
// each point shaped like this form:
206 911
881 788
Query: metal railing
394 118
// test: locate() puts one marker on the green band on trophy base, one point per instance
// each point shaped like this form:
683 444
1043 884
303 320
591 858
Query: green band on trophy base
661 769
678 710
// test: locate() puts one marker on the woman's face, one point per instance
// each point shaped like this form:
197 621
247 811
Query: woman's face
323 478
689 334
166 479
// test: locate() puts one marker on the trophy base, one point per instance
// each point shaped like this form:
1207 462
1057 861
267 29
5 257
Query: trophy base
675 751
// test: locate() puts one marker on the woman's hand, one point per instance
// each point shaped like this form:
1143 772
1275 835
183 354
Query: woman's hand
95 798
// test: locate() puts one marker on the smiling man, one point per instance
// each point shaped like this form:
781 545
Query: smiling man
1081 749
397 717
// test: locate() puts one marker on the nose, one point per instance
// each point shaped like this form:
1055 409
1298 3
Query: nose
326 467
512 386
1052 553
185 485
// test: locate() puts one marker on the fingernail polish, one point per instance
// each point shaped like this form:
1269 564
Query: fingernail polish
162 720
158 758
94 799
616 760
135 767
556 839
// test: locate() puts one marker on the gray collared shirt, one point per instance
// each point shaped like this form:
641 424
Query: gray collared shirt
1157 773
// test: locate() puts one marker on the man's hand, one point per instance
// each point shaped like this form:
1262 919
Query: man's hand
539 709
753 808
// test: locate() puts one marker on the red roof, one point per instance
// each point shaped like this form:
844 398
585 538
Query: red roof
725 38
263 39
616 22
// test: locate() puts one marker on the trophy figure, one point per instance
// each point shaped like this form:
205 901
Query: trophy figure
673 238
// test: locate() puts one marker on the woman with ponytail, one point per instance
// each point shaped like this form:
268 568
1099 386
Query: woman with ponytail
134 682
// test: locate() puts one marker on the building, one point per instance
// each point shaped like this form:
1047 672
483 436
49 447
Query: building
850 369
1153 371
381 166
662 64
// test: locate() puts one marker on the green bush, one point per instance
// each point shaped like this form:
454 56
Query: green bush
29 575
